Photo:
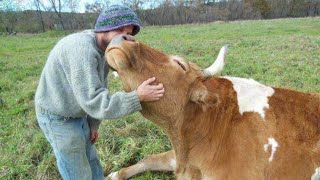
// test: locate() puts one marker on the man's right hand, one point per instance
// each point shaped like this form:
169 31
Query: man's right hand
147 92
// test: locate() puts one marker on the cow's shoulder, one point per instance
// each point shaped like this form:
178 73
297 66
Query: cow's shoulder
252 96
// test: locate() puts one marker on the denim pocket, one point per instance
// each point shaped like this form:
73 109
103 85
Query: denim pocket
57 117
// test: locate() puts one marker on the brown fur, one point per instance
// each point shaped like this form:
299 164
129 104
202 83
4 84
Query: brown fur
210 138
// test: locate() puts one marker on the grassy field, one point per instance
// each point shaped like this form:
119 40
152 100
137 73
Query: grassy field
282 53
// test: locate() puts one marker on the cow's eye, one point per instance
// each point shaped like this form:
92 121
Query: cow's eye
180 64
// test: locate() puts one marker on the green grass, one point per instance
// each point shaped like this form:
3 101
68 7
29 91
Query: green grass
282 53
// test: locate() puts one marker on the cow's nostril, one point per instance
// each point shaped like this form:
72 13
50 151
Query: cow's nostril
128 38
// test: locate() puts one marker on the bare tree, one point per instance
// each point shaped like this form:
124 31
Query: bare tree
313 8
97 6
57 6
37 4
16 16
8 17
73 19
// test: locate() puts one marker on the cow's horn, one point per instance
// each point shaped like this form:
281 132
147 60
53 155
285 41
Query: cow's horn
218 64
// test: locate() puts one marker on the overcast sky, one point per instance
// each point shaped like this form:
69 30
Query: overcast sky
28 4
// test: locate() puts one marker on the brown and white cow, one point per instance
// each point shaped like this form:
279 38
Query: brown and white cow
221 127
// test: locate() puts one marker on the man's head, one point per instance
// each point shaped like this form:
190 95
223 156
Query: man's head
115 20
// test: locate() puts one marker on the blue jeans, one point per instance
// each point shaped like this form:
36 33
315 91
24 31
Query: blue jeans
70 139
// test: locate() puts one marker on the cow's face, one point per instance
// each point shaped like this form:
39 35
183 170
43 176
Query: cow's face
136 62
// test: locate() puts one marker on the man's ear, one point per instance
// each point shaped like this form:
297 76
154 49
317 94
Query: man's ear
200 95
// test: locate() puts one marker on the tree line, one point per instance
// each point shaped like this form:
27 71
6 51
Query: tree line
43 15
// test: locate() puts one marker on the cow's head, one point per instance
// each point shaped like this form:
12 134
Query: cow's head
136 62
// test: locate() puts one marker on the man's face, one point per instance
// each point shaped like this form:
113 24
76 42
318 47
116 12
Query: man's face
104 38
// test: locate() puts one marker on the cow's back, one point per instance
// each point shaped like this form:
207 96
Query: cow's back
293 120
295 115
285 144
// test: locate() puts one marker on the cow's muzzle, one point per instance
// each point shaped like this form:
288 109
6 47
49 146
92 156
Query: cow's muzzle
119 39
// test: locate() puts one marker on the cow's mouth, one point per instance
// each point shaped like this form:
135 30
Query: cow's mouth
110 54
109 65
113 69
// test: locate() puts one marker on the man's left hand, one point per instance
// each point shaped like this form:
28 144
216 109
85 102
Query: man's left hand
94 135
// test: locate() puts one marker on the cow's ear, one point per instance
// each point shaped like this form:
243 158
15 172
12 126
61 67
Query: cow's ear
135 58
200 95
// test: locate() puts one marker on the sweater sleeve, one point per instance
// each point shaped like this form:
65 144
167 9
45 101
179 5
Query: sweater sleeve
90 92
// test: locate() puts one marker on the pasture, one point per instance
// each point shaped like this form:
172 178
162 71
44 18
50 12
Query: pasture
282 53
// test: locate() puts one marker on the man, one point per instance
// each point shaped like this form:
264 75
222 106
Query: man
72 93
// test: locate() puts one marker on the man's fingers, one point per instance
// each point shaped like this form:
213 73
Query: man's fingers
152 99
148 92
148 81
160 91
94 136
157 95
159 86
94 140
156 87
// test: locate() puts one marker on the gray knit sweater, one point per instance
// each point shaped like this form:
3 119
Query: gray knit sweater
73 82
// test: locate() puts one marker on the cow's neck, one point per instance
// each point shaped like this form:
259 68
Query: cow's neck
172 125
206 132
194 129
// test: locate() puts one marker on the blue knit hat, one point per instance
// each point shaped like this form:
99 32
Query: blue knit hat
115 17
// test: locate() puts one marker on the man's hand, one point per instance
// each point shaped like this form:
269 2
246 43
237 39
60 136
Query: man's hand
147 92
93 135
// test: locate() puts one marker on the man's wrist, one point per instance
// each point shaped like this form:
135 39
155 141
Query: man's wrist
139 96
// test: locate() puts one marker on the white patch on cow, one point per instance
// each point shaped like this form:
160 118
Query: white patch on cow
252 96
114 176
274 145
115 74
316 175
173 163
